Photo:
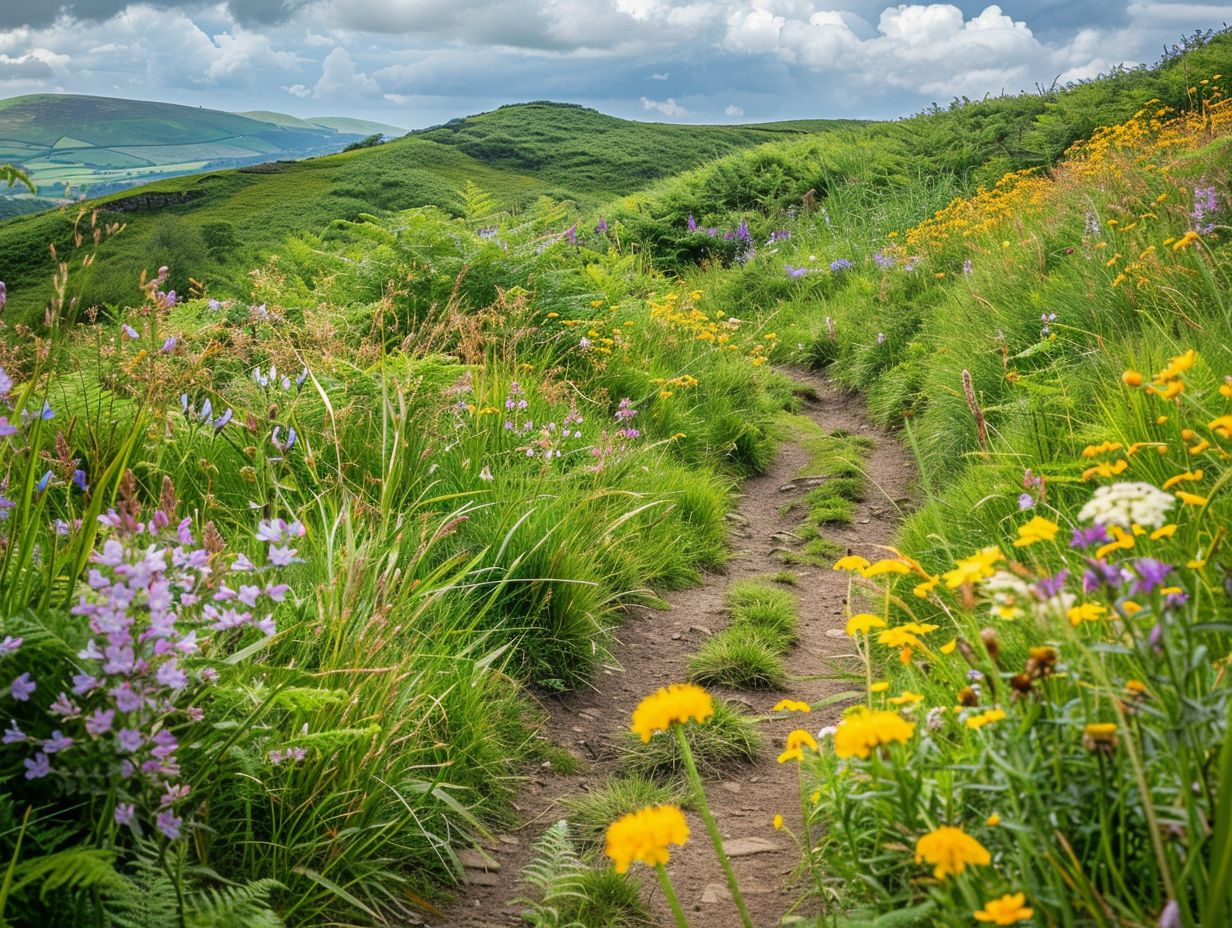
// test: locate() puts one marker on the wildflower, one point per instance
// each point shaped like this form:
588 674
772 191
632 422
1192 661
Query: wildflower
672 705
1100 736
130 331
887 566
839 265
1010 909
169 824
1186 240
791 705
1151 574
973 568
778 823
852 563
987 717
865 729
691 225
645 835
1038 529
1085 612
951 850
1126 505
37 768
22 687
125 812
797 741
907 698
993 820
1025 502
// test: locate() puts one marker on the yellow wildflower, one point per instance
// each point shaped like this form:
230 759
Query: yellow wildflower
1010 909
673 705
973 568
976 722
852 563
887 566
1038 529
645 835
1094 451
951 850
1191 476
923 589
879 687
1186 240
993 820
797 741
791 705
861 731
907 698
1221 426
778 823
1190 499
949 646
863 623
1085 612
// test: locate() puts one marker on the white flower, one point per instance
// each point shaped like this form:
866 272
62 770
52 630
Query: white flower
1128 504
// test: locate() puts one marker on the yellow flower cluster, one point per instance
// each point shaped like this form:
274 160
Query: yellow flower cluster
645 835
950 850
797 741
865 729
672 705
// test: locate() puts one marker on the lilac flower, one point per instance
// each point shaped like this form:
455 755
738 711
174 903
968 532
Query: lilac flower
6 427
282 556
601 227
571 234
276 756
131 332
37 768
214 306
169 344
795 273
1205 202
691 225
45 413
1025 501
79 480
781 235
278 442
14 735
1100 574
883 261
5 505
22 687
57 742
713 231
1046 321
1151 574
125 813
9 645
219 423
6 382
1084 538
126 698
1170 917
301 377
129 740
1048 587
742 231
100 722
968 267
170 298
840 264
169 824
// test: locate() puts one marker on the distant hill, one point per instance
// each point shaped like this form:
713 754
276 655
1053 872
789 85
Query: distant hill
216 225
343 124
103 144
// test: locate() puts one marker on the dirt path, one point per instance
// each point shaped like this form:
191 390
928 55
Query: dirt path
652 650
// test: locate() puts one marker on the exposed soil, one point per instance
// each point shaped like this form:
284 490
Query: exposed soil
652 650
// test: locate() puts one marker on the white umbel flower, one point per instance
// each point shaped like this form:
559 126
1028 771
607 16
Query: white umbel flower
1128 504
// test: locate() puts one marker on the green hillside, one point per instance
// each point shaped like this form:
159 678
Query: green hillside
343 124
102 144
214 226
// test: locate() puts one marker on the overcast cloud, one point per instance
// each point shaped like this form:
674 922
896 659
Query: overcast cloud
419 62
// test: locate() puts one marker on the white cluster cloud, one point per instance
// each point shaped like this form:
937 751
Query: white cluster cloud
668 107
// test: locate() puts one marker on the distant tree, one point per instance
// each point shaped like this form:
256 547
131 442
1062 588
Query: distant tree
370 142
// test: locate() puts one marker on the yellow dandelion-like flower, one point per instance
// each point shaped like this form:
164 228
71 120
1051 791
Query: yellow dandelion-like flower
852 563
993 820
797 741
863 623
645 835
951 851
1085 612
865 729
778 823
976 567
879 687
1186 240
906 698
672 705
1190 499
1189 476
792 705
887 566
976 722
1038 529
1010 909
926 587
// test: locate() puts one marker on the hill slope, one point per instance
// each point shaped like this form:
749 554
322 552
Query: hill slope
104 143
214 226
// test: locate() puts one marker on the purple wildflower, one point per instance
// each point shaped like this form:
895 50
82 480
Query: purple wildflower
840 264
571 234
795 273
13 734
22 687
9 645
691 225
883 261
601 227
1151 574
1025 501
6 382
1205 202
169 344
169 824
1084 538
6 428
79 480
968 267
37 768
125 812
100 722
742 231
129 740
1048 587
57 742
131 332
1099 574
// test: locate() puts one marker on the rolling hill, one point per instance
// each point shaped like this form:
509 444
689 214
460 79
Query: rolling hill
213 226
103 144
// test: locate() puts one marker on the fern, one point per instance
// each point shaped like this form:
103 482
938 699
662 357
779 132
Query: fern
245 906
556 873
67 871
477 204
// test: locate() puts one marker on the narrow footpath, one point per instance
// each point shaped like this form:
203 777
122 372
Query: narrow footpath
652 649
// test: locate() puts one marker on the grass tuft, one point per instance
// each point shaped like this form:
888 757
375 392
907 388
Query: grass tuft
743 657
589 814
727 740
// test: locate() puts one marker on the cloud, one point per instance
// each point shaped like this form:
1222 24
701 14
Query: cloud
668 107
341 79
660 76
733 110
25 68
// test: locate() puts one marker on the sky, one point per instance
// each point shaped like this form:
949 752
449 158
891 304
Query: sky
415 63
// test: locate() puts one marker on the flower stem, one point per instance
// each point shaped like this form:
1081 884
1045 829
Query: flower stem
670 893
712 827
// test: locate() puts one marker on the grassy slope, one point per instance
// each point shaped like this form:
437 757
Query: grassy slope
515 154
